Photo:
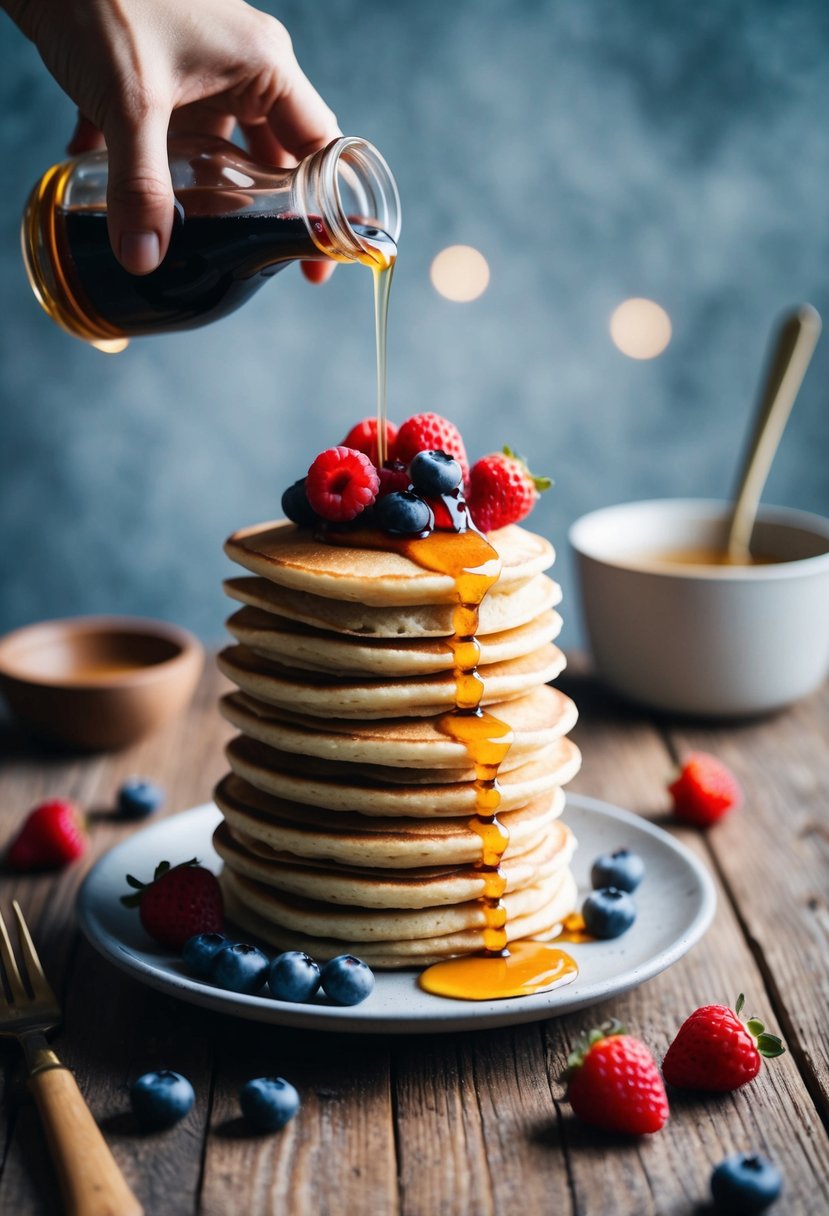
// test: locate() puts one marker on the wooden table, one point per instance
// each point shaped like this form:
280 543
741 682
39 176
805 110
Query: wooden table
463 1123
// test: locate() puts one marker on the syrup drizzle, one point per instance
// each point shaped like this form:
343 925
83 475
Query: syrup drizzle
500 971
473 564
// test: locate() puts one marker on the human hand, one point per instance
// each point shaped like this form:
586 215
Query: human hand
140 69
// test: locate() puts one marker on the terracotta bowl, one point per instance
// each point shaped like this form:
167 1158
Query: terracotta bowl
98 682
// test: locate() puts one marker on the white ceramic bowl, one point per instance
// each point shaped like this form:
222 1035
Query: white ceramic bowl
712 640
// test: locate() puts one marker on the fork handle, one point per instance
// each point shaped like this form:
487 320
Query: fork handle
90 1180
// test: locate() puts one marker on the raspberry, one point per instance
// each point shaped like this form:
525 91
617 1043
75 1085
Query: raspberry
363 438
430 433
341 483
502 490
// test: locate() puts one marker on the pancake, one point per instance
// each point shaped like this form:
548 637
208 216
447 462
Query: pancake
501 609
256 916
301 646
376 774
292 557
422 887
329 696
358 925
259 765
270 825
536 719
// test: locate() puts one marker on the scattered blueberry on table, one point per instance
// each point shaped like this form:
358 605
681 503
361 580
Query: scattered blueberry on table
608 912
239 968
745 1183
622 869
293 976
160 1099
268 1103
347 980
198 952
138 798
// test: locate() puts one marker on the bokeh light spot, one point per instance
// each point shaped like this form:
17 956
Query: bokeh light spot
460 273
640 328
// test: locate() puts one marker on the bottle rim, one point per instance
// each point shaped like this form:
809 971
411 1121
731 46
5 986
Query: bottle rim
353 165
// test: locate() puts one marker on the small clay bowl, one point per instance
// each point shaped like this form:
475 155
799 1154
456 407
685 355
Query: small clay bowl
98 683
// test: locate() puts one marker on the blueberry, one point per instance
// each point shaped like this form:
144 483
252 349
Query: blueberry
745 1183
239 968
293 976
198 952
347 980
608 912
403 512
160 1099
622 869
268 1103
435 473
138 798
297 507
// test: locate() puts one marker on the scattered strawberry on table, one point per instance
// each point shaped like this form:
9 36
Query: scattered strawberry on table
53 835
613 1083
704 791
715 1051
179 903
424 484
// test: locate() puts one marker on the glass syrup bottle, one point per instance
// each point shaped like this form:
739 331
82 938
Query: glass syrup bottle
237 223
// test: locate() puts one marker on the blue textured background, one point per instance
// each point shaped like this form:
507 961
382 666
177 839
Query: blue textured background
591 149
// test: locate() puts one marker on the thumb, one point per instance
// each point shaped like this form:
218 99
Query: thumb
139 192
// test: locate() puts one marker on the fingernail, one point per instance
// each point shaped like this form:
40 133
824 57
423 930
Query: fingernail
140 251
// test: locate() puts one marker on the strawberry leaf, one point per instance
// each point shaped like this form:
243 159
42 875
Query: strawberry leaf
161 869
131 901
770 1046
541 483
135 882
741 1000
755 1026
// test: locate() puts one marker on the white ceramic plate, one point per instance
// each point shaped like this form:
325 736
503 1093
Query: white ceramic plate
676 903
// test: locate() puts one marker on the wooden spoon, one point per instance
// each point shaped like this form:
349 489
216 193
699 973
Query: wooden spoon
791 355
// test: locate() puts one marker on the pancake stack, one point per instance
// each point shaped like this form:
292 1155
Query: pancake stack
348 808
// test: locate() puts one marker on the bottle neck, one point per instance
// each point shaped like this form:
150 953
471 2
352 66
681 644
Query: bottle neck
348 198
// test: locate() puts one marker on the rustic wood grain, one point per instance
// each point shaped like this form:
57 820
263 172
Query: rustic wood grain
627 760
457 1124
336 1156
774 859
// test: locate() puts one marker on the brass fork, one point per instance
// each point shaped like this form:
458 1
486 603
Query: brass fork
90 1180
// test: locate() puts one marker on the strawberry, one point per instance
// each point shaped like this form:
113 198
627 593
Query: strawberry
502 490
430 433
704 791
613 1083
363 438
714 1051
178 904
52 835
341 483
